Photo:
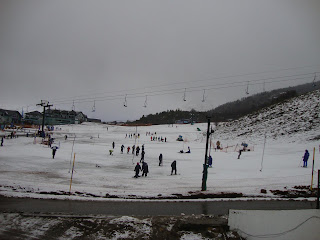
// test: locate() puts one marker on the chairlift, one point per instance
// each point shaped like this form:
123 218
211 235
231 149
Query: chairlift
184 95
94 106
203 97
247 90
73 107
145 102
125 101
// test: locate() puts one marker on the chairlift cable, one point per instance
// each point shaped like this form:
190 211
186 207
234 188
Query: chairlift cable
213 78
223 85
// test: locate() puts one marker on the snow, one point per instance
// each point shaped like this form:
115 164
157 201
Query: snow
192 236
27 169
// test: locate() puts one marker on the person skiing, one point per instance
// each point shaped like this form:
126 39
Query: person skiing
137 169
305 158
160 159
240 151
111 152
137 151
189 151
142 156
113 144
128 150
174 167
210 161
145 169
122 147
2 142
133 147
218 145
54 150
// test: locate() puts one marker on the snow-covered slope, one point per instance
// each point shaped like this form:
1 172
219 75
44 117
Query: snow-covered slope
27 169
299 115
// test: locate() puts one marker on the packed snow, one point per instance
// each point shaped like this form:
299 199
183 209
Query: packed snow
286 130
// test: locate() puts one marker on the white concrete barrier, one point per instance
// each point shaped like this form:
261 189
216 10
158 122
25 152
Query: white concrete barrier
276 224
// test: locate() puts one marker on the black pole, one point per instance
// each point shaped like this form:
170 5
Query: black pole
205 165
43 116
318 196
44 104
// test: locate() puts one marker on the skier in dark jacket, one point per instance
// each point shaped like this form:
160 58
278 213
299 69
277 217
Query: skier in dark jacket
133 147
142 156
137 151
174 167
1 141
113 145
137 169
122 147
189 151
305 158
145 169
210 161
160 159
54 149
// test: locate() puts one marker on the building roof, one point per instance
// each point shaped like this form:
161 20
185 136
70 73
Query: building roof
10 112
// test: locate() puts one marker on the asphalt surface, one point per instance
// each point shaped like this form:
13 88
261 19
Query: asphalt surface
145 208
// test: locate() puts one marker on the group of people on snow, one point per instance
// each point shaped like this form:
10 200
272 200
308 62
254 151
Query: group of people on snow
144 169
189 150
133 135
159 139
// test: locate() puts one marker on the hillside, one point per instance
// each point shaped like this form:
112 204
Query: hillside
231 110
291 117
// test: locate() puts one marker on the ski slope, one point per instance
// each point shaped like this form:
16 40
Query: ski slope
27 169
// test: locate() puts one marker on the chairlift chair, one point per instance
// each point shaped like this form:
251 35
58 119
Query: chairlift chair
247 90
73 107
145 103
184 95
94 106
125 101
203 97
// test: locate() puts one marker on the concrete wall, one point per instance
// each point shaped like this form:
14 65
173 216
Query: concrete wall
276 224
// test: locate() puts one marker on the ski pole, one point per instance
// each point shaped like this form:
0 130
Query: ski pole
300 162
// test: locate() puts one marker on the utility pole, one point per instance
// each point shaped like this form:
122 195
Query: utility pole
205 165
44 104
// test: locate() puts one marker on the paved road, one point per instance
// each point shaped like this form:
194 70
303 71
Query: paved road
144 208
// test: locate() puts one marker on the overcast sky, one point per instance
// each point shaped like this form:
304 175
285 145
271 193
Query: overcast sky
155 52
